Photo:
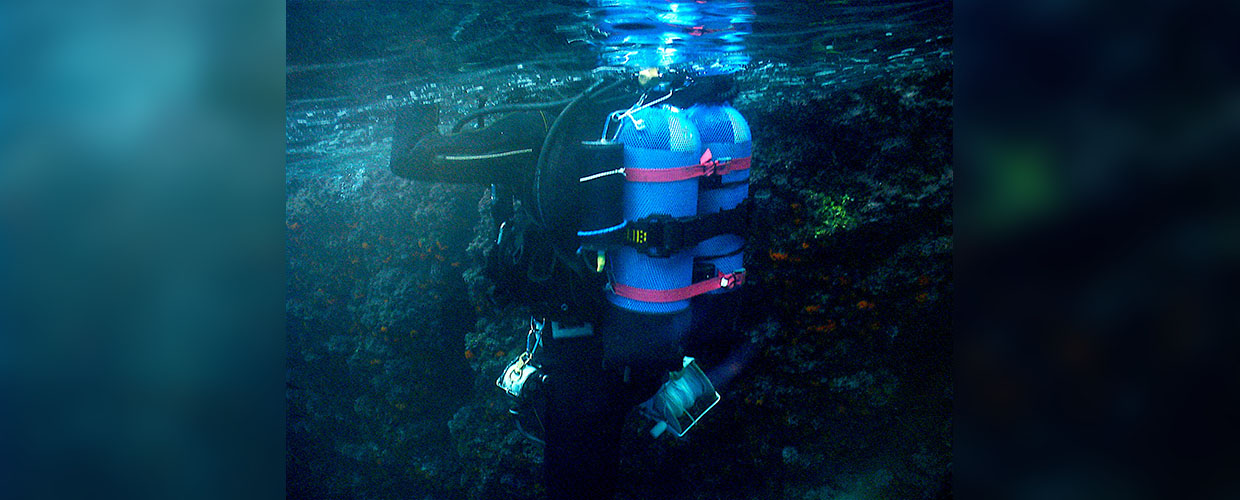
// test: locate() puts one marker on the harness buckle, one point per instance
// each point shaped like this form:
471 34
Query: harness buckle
656 235
732 280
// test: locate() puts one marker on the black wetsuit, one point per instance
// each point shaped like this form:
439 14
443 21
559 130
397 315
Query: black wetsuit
586 399
590 385
504 152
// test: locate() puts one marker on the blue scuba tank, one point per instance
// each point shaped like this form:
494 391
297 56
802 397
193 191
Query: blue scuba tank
656 138
726 134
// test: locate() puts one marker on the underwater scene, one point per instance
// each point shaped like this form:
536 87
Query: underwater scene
538 189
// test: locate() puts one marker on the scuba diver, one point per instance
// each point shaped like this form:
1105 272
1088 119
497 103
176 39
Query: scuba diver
621 213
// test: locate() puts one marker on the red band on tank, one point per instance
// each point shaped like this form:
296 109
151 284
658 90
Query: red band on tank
706 167
722 280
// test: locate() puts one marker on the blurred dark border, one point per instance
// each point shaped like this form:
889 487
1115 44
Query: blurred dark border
1096 147
141 249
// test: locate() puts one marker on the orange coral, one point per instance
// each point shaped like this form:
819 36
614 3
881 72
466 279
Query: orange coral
827 327
778 255
865 305
469 354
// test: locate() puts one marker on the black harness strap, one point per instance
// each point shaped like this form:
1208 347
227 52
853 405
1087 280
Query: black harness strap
661 235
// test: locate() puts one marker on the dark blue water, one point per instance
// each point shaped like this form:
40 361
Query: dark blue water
351 63
394 342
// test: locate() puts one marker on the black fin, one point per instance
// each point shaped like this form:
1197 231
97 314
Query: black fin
412 123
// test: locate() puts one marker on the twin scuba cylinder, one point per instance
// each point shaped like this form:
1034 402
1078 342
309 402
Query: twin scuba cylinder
669 226
667 231
663 214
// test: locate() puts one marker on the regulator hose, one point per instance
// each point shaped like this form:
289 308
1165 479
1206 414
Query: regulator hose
506 108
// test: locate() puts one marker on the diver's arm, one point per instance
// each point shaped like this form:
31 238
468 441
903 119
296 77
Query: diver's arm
504 152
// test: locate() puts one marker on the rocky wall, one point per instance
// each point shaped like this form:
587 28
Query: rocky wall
395 343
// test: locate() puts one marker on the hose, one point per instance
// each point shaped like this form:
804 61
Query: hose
551 135
506 108
570 262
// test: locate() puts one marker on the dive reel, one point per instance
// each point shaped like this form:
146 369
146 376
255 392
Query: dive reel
522 380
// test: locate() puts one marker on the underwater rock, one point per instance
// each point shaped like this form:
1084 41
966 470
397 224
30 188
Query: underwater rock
395 341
